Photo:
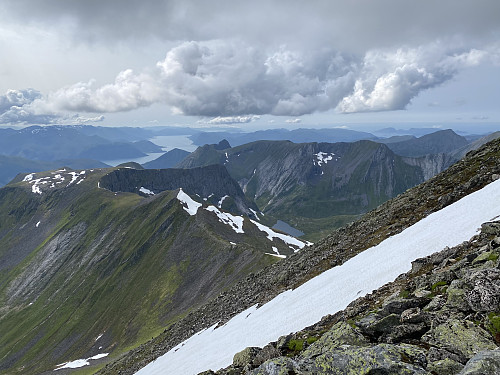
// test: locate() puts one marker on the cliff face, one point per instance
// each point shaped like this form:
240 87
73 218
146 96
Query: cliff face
211 183
313 185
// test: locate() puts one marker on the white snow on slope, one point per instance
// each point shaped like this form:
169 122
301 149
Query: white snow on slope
51 182
80 362
222 200
146 191
333 290
191 205
271 234
235 222
323 158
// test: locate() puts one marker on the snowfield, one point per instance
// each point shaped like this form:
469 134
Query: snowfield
333 290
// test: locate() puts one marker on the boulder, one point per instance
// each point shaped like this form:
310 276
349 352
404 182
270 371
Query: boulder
483 363
445 366
245 357
340 334
461 338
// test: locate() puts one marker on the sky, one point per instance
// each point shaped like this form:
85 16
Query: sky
250 64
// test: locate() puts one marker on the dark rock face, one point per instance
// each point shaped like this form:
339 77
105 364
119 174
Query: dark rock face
211 182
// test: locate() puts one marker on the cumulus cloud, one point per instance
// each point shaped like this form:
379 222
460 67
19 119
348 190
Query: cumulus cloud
233 81
231 120
129 91
293 121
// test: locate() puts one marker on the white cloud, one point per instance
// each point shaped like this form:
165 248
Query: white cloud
129 91
293 121
231 120
233 82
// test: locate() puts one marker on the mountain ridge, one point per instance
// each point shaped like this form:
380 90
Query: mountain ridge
468 175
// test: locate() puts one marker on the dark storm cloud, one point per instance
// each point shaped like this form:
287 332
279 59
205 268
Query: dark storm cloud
358 24
233 59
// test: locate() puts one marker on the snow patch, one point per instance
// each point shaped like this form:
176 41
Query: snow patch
332 290
222 201
28 177
235 222
146 191
276 255
80 362
191 205
289 240
323 158
255 213
37 224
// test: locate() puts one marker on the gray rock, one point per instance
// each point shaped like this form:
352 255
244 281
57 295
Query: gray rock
278 366
245 357
485 295
461 338
375 325
379 359
445 366
483 363
340 334
492 227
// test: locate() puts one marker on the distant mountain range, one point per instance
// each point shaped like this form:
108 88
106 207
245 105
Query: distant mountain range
313 186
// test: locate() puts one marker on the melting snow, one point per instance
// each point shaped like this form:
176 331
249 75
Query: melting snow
271 234
192 206
255 213
235 222
80 362
222 201
29 177
52 181
323 158
146 191
332 290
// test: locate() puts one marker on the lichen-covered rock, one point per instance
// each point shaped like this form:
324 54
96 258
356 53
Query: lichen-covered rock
375 325
491 227
382 358
278 366
456 296
445 366
268 352
461 338
340 334
483 363
485 295
245 357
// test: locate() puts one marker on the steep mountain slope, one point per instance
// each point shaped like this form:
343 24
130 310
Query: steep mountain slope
443 141
478 169
313 186
168 160
87 271
213 184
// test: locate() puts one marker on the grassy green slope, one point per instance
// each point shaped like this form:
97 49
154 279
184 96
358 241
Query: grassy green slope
117 265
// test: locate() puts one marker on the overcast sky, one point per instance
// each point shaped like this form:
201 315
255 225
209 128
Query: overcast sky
249 63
